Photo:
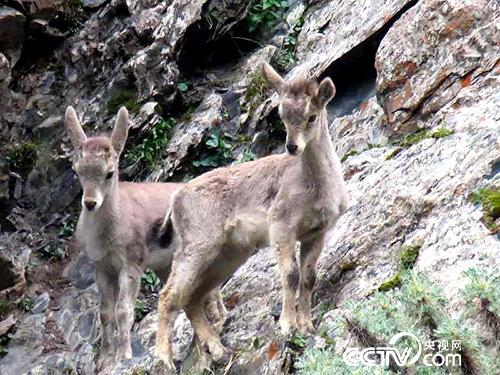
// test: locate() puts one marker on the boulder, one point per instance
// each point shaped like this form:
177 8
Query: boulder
433 46
11 28
14 258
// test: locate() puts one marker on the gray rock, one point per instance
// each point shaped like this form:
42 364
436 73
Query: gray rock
93 3
14 258
27 344
11 27
40 303
433 45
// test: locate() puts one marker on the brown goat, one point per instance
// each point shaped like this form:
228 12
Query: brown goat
117 228
221 217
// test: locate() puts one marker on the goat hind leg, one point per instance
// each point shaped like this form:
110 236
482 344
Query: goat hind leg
206 335
168 308
309 254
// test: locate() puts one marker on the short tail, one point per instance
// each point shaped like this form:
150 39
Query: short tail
166 230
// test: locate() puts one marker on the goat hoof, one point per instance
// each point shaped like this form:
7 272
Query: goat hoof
169 362
217 351
287 327
223 359
306 329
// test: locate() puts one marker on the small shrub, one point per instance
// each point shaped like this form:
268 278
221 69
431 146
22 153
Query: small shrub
473 361
71 18
126 98
423 300
298 342
26 304
420 135
285 57
5 307
408 255
4 341
490 202
256 91
54 250
182 86
149 151
216 153
246 156
68 228
482 295
150 282
265 14
141 310
23 156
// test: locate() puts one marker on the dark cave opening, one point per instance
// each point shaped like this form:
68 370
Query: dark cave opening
200 51
354 73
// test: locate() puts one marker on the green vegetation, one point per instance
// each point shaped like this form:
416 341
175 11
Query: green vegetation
68 227
182 86
126 98
149 151
418 307
150 282
298 342
256 91
139 371
265 14
490 202
420 135
26 304
482 297
285 58
391 283
23 156
350 153
4 341
407 257
54 250
246 156
72 17
5 308
393 153
141 309
474 361
216 153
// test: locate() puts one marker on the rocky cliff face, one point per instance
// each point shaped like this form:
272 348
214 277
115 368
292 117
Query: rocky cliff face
415 120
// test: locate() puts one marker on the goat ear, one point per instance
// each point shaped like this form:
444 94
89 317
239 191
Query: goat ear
326 91
76 133
120 131
271 76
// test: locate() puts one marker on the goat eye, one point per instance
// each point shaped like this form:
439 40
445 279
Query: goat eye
109 175
312 118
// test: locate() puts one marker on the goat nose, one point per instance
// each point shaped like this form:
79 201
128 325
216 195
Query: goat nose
90 204
291 148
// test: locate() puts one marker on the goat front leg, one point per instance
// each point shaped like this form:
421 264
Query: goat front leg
129 282
108 292
309 254
284 244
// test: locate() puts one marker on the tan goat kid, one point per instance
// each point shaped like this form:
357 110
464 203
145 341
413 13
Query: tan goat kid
117 227
221 217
